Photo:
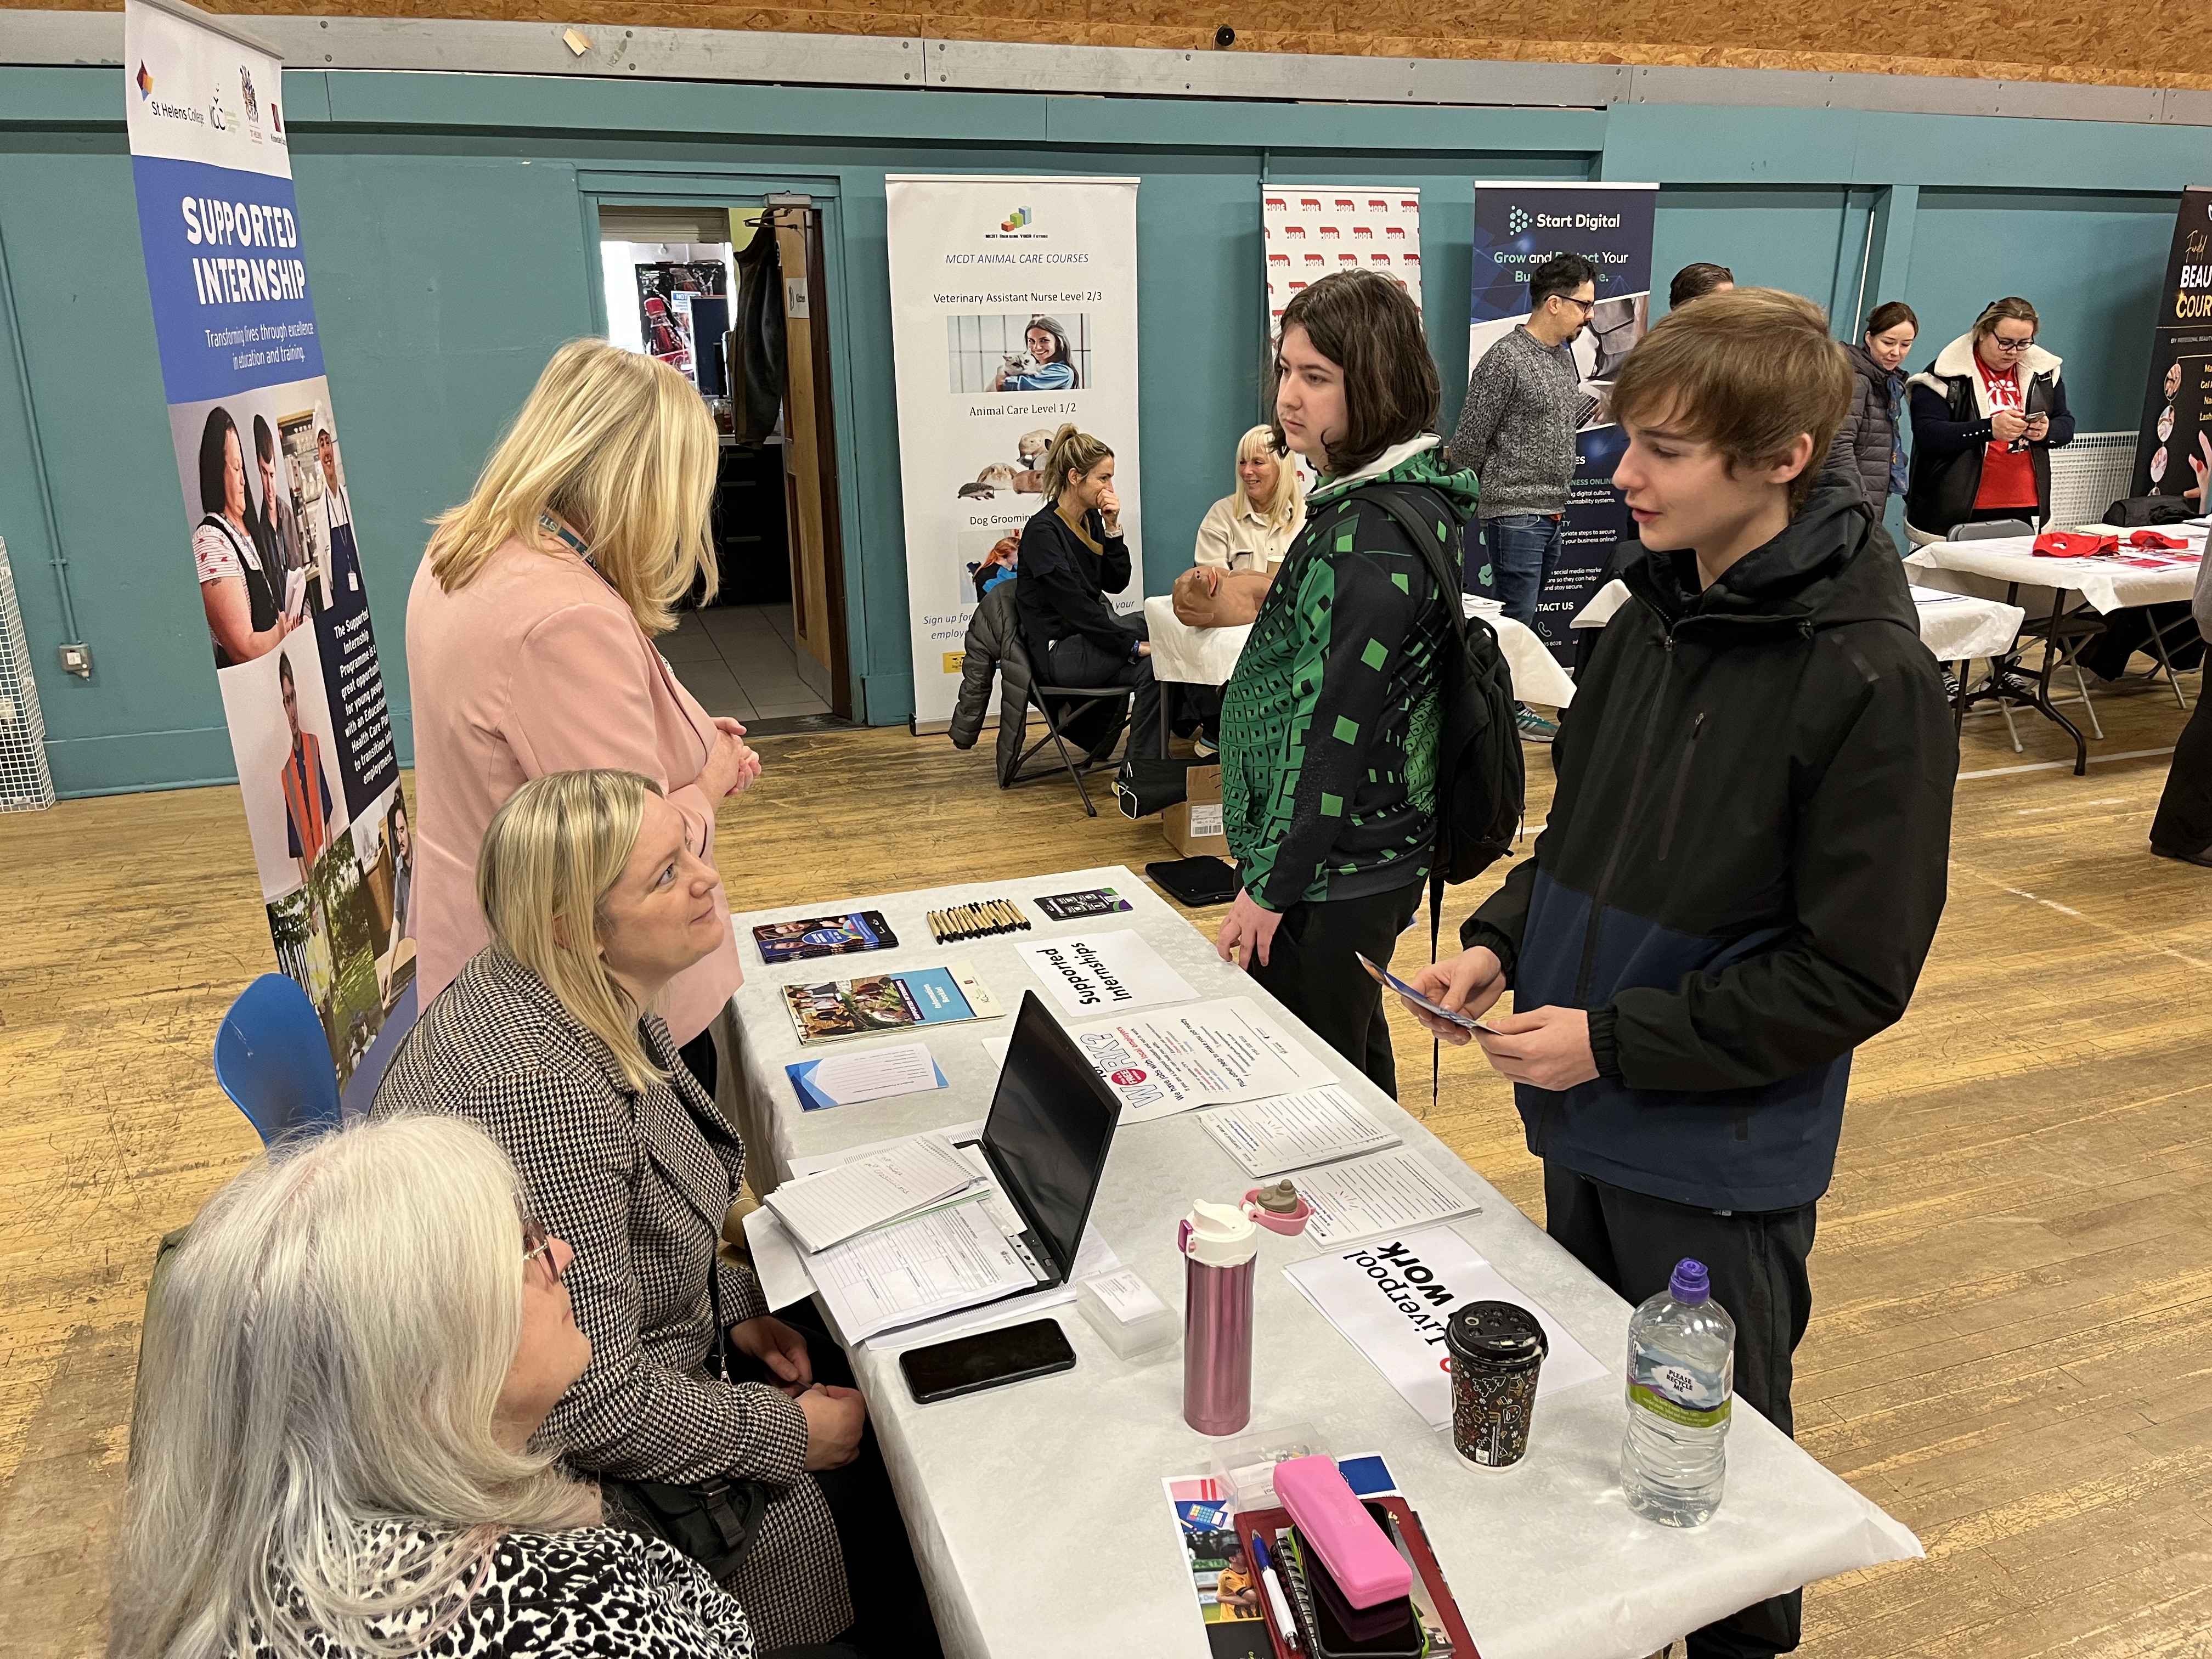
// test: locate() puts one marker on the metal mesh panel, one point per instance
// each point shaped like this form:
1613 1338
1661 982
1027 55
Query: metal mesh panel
2089 475
25 784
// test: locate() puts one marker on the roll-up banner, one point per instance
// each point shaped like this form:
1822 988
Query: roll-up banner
1312 230
1013 310
269 525
1518 226
2176 440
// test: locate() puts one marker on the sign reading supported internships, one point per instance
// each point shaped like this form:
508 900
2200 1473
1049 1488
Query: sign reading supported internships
270 525
1518 226
1013 310
2175 444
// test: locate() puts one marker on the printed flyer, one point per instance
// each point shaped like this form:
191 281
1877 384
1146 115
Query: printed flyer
1013 310
269 524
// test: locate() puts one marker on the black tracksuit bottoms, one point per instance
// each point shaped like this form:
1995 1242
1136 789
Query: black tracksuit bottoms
1311 970
1757 1260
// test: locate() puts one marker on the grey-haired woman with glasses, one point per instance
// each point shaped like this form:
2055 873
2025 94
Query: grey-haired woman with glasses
1986 414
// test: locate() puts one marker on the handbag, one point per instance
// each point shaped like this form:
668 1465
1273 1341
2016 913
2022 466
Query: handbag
713 1521
1146 787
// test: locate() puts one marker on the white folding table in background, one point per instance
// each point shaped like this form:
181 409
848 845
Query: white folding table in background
1207 656
2108 583
1036 1510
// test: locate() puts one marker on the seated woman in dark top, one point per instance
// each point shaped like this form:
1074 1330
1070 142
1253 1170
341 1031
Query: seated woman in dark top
1073 556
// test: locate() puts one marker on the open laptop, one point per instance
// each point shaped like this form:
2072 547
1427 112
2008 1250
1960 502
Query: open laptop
1050 1127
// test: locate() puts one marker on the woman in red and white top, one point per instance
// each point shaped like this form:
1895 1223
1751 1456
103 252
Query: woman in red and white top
1985 416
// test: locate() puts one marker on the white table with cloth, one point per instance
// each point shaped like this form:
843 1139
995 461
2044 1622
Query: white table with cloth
1036 1510
1955 626
2040 584
1206 656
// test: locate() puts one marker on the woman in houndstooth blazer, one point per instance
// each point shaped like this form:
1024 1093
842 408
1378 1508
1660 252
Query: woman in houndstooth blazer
540 1041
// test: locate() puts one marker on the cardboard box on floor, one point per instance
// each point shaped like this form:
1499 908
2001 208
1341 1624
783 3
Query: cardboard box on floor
1193 825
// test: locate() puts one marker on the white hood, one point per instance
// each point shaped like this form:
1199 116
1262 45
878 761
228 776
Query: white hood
1958 358
1381 464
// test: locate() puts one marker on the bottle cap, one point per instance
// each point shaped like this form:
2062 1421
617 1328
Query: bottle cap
1220 1235
1281 1199
1498 1336
1690 1285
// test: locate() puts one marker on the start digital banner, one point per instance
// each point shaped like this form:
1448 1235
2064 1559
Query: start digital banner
1518 226
268 524
2175 447
1014 309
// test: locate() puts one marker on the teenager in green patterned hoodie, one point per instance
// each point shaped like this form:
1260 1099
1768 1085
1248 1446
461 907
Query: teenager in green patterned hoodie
1329 725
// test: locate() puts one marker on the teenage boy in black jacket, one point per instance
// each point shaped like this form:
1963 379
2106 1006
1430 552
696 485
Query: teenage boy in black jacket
1746 855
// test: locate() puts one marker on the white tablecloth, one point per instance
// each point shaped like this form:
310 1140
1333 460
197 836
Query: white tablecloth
1206 656
1036 1510
1955 626
2108 582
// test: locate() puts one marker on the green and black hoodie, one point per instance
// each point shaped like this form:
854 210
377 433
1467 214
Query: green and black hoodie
1329 725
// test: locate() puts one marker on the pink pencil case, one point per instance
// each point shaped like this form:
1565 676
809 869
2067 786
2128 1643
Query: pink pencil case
1364 1563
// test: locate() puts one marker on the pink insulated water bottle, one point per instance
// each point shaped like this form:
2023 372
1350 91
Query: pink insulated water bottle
1218 1244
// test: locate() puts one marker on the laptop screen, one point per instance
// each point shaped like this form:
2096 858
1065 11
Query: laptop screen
1051 1123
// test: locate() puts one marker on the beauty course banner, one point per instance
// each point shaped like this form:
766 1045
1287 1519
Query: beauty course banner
1014 309
2175 444
1517 227
268 524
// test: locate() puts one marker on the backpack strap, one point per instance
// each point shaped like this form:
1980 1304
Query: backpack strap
1401 504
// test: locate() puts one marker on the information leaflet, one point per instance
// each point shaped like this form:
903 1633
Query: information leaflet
268 524
1013 310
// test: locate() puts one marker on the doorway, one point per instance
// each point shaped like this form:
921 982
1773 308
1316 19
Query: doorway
679 284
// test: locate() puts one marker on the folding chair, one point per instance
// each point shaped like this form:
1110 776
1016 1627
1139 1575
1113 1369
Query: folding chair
1076 703
2063 633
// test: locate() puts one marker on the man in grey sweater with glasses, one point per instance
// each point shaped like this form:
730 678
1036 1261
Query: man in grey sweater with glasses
1517 435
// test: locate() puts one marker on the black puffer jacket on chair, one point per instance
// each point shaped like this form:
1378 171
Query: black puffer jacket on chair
993 648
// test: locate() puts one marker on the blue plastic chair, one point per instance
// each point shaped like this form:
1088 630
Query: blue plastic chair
273 1060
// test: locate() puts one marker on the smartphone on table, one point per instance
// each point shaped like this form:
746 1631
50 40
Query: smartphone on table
987 1360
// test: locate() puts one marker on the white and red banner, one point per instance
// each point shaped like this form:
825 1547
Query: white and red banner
1312 230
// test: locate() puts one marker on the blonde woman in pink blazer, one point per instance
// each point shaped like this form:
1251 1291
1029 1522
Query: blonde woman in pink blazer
530 643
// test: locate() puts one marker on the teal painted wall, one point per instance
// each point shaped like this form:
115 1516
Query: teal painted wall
447 222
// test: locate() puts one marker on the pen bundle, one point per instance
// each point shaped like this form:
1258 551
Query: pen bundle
978 920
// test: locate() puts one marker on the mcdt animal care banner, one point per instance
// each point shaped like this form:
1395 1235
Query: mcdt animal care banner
1516 227
1014 309
268 524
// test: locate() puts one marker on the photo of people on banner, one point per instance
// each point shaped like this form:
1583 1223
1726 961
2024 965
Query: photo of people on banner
2173 453
1517 227
268 524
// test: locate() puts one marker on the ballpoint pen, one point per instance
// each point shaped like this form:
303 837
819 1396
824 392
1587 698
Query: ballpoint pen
1276 1599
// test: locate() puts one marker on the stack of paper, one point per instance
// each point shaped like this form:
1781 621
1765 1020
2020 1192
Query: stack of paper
1295 1132
1386 1193
829 1208
929 1276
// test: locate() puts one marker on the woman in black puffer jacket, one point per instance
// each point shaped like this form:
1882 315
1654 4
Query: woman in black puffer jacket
1868 446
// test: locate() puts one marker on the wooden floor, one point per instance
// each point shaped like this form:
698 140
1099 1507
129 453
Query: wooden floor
2011 1347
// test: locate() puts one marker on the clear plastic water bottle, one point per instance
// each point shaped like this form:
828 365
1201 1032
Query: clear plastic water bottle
1681 1379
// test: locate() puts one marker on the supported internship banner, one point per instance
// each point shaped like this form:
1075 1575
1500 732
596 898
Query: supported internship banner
268 524
1014 309
1518 226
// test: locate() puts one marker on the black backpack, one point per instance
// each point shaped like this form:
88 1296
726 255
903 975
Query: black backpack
1481 784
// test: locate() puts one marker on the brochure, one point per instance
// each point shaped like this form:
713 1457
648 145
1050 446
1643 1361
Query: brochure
1072 906
847 1079
823 936
889 1002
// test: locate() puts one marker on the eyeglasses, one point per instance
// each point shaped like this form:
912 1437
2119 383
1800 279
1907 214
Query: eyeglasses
537 1242
1589 306
2014 346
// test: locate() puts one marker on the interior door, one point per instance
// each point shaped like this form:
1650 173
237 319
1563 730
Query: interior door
817 563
